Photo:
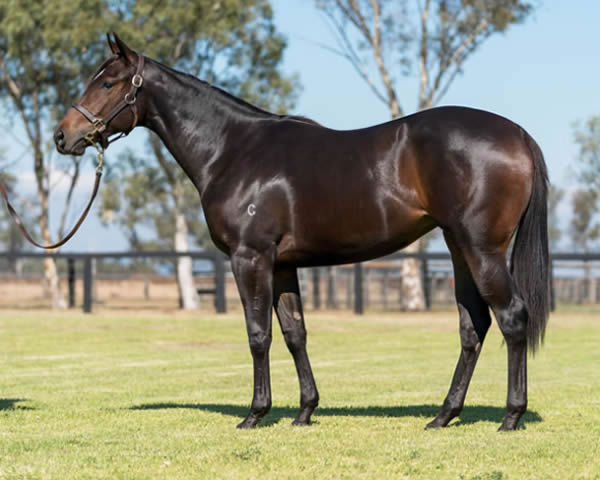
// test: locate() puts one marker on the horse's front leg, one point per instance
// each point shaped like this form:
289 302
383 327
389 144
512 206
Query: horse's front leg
253 271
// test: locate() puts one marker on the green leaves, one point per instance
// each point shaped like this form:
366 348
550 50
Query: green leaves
585 200
45 47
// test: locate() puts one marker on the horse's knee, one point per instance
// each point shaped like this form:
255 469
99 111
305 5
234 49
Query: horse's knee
295 339
260 342
513 321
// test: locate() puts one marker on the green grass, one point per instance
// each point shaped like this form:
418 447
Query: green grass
158 396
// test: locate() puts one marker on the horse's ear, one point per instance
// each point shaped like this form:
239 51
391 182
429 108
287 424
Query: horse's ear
123 50
113 46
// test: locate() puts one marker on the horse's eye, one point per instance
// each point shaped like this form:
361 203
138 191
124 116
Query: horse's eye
107 85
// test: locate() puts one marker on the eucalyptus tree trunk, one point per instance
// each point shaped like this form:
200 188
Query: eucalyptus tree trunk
51 279
413 296
185 278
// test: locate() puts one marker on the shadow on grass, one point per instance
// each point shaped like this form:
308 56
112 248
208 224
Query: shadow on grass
11 404
469 415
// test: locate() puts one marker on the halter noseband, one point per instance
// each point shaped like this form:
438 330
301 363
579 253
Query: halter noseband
100 124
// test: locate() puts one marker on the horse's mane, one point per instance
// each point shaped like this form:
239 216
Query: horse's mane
300 118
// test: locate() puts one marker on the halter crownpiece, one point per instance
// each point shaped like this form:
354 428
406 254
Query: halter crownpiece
100 124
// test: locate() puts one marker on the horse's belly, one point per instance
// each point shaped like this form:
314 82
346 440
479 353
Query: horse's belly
327 239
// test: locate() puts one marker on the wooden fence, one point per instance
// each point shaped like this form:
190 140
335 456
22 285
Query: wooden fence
371 285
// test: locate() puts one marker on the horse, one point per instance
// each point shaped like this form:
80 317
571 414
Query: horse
281 192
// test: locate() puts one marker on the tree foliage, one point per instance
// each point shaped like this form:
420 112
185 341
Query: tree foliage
430 38
231 43
587 137
584 229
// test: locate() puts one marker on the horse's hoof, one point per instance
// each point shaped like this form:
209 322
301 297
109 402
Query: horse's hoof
248 423
436 423
301 423
433 426
507 427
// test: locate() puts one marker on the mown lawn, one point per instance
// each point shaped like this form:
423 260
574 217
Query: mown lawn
158 396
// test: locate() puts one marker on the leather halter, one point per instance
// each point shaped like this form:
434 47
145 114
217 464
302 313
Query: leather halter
99 126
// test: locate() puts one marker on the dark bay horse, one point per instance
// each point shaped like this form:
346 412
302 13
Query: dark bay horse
282 192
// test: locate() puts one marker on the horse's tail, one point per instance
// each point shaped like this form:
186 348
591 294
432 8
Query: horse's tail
530 260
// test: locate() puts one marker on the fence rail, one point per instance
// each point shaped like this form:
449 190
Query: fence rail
216 257
355 288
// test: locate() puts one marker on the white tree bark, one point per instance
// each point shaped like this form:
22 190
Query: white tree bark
51 280
185 277
413 296
52 283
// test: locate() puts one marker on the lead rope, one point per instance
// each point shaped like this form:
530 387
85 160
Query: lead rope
15 216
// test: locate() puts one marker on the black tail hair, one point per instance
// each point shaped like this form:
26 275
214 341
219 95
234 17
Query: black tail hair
530 260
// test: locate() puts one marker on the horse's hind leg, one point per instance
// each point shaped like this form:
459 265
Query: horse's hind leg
288 305
474 317
497 288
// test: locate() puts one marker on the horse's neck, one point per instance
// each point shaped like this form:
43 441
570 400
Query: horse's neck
193 120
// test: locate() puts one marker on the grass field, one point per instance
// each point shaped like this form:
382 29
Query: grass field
120 396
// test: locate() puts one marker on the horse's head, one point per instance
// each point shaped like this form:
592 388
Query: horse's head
108 104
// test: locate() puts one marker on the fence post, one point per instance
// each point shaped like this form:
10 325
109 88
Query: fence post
426 285
71 281
331 301
316 290
384 288
358 289
552 291
87 284
220 302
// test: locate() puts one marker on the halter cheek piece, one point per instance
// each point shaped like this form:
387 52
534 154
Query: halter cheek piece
100 124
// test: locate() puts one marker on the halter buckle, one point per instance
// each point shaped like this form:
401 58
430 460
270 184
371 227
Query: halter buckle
137 80
98 125
129 98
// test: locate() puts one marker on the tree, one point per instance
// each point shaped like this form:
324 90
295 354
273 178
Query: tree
585 201
555 196
386 38
233 44
587 137
42 49
584 230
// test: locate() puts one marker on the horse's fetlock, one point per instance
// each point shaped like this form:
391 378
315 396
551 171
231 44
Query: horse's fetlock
516 407
260 408
310 401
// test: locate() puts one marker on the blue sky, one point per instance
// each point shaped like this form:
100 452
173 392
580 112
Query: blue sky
543 74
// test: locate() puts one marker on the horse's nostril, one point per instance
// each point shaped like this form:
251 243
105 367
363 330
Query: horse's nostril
59 137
